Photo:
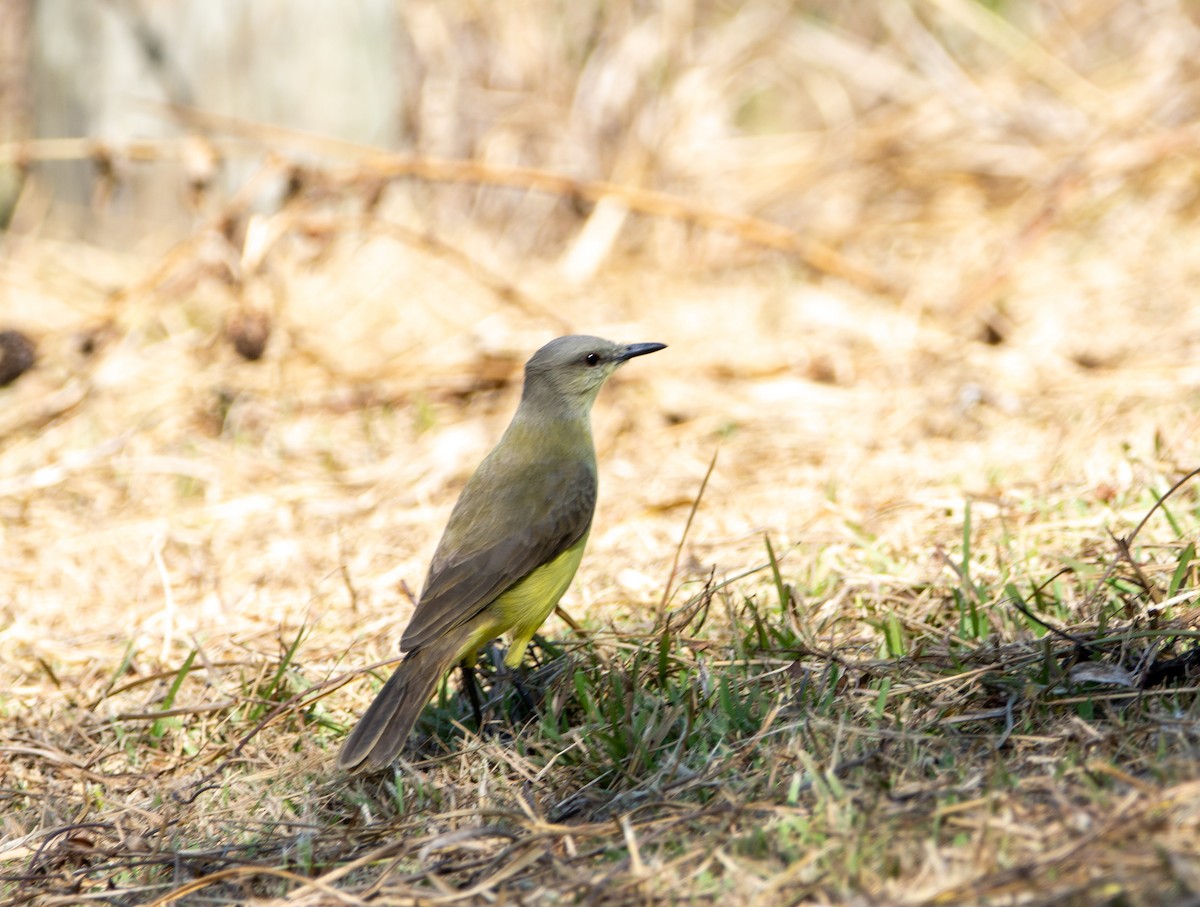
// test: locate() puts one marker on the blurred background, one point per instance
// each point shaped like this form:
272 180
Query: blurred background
858 126
940 156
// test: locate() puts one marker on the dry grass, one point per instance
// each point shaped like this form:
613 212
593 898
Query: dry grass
872 681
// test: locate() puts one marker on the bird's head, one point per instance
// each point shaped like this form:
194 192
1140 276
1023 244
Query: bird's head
569 371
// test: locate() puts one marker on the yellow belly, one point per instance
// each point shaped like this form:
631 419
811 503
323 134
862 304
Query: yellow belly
523 608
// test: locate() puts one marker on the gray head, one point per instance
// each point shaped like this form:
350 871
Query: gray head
568 372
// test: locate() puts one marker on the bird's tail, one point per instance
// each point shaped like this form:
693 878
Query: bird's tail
380 734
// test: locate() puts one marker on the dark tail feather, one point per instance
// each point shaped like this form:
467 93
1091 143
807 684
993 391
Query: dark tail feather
380 734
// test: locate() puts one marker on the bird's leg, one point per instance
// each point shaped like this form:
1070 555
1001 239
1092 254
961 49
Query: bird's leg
528 706
534 652
472 688
543 651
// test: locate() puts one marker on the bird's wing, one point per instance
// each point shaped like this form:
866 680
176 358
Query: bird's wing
508 522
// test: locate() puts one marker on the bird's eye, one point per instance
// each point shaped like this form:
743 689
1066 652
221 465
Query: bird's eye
592 359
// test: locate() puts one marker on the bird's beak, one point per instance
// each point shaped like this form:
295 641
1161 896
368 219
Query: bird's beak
639 349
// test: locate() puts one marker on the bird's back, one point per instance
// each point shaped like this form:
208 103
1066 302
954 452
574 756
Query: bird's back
529 501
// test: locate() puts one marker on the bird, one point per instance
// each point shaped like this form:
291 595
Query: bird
512 544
